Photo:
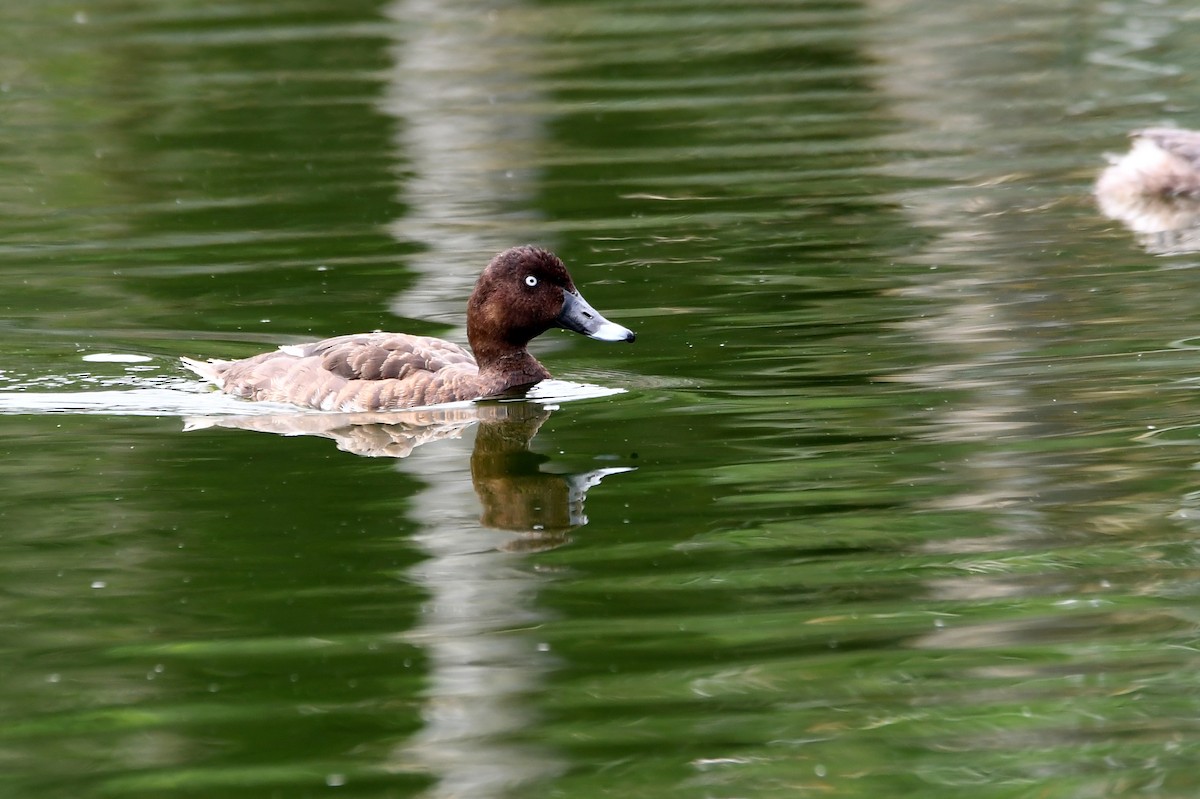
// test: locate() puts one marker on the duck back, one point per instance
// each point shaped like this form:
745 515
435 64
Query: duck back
361 372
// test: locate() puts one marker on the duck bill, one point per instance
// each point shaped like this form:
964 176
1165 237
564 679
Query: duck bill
581 317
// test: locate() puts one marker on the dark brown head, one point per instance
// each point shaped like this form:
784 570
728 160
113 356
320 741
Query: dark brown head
521 294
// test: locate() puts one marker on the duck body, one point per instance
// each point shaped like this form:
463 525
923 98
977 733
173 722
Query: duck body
1154 189
523 292
1162 164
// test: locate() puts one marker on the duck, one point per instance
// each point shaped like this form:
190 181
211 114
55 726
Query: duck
523 292
1162 164
1154 189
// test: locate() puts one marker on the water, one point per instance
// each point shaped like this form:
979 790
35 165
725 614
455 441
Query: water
894 495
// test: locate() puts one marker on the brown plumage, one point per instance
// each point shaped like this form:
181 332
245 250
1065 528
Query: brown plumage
523 292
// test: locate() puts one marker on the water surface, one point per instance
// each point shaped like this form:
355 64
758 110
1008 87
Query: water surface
894 495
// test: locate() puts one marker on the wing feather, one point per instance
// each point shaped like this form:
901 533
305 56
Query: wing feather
386 356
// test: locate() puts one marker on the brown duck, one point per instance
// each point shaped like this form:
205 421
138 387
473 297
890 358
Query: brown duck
521 294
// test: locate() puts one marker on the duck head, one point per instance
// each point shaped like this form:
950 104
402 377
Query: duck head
521 294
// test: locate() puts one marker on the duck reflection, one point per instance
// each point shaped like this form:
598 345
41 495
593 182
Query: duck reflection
515 492
1154 190
479 624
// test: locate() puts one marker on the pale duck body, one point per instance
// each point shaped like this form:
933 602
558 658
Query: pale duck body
1162 164
522 293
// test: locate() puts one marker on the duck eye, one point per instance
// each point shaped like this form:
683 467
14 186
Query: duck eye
530 281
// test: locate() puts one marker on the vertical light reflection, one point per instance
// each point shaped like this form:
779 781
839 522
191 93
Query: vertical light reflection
477 628
961 130
468 127
998 316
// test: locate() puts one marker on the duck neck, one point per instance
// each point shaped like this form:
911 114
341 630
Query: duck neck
507 367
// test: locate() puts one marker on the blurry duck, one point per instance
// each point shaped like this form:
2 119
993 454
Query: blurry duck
1155 188
521 294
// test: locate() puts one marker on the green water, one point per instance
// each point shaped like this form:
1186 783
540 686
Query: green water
895 494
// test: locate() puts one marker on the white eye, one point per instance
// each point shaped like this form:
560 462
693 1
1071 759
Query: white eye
530 281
